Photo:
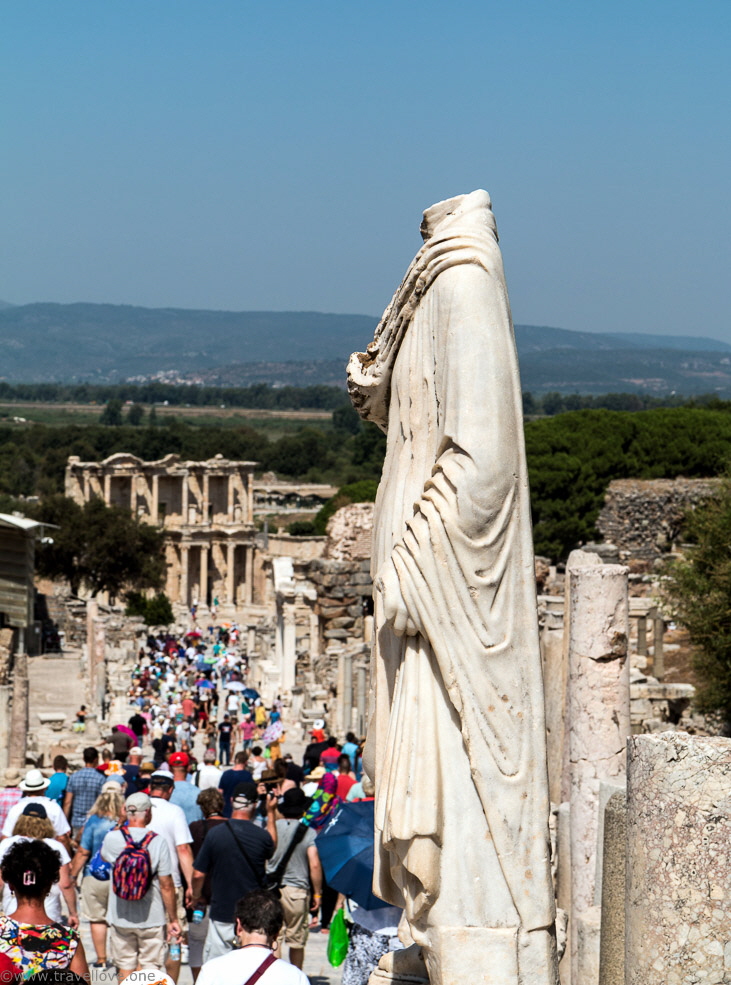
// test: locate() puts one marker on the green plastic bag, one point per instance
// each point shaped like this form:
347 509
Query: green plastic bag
337 944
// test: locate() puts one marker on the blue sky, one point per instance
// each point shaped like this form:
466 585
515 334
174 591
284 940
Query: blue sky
279 155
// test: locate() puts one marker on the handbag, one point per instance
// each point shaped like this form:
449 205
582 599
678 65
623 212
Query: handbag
99 868
337 942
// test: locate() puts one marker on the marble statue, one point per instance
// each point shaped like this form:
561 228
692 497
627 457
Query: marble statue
456 741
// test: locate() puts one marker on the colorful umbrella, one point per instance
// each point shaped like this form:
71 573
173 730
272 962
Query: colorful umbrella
235 686
272 732
205 683
127 730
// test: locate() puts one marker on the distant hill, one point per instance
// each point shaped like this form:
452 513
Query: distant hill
109 343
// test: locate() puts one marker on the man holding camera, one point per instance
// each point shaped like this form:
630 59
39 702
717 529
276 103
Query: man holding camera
234 854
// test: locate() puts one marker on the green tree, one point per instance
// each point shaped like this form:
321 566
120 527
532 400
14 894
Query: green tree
103 547
698 589
112 413
347 418
135 415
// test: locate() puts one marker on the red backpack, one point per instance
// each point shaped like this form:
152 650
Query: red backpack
132 871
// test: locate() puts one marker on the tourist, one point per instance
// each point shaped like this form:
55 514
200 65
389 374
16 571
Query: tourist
311 758
296 865
30 869
208 774
260 713
139 726
163 746
225 729
325 802
330 754
115 772
210 802
83 788
10 793
258 921
363 789
247 728
231 778
137 927
34 823
59 780
80 723
33 786
184 794
350 749
345 776
132 769
373 933
168 820
224 850
257 763
121 743
105 815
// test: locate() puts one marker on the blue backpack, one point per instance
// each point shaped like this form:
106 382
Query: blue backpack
99 868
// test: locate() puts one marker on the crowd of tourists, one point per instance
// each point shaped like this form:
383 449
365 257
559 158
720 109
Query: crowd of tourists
190 835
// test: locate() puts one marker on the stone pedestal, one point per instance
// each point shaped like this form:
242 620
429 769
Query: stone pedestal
599 723
678 912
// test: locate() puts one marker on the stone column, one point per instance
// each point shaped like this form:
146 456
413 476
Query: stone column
347 691
184 562
156 498
250 640
230 573
361 700
203 600
250 498
599 724
230 490
184 499
678 910
19 713
289 649
642 635
205 497
107 488
249 574
5 723
658 653
611 956
314 635
133 494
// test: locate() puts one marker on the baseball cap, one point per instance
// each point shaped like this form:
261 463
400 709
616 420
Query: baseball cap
35 810
138 803
179 759
244 793
136 751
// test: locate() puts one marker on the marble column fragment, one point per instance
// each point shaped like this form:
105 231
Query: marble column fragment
678 914
599 724
611 956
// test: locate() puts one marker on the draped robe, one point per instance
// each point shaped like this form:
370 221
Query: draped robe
456 742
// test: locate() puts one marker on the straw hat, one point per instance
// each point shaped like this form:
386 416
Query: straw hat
34 782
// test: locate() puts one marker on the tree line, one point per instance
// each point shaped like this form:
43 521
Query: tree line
572 457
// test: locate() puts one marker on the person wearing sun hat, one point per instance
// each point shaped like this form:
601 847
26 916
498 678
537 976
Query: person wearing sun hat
33 787
115 773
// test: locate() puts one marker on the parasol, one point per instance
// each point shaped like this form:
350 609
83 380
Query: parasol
345 847
272 732
235 686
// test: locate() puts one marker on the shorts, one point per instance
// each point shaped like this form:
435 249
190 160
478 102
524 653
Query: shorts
197 933
94 899
137 947
296 905
219 939
180 909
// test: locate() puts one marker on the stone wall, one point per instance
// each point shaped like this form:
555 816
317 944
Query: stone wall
643 517
350 533
342 589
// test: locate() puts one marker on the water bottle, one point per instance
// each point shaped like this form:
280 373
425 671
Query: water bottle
174 951
197 916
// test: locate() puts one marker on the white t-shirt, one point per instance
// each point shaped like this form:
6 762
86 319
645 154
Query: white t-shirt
55 815
208 776
238 966
53 900
233 703
169 821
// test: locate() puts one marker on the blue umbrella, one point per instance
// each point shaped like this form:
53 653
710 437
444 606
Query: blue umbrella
250 693
345 847
205 684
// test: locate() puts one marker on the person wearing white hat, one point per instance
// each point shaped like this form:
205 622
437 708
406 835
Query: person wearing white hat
33 786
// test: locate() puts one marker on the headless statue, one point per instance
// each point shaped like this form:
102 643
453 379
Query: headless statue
456 742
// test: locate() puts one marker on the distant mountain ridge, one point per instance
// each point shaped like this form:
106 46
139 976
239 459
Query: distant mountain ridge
111 343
